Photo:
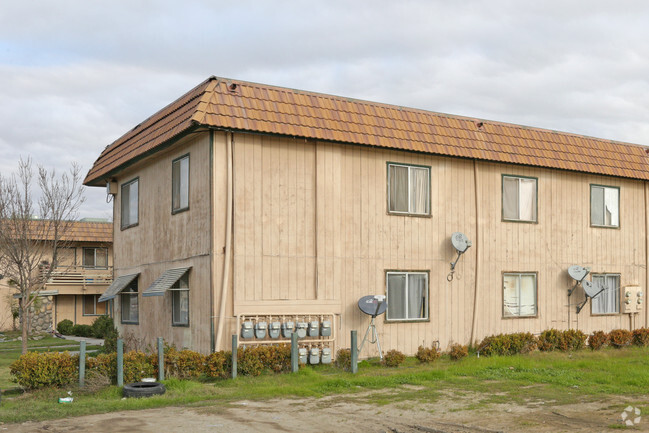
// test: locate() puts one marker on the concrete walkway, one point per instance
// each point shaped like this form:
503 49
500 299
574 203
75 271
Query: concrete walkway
89 341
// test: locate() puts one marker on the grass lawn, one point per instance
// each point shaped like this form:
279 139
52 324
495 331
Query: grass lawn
557 378
10 351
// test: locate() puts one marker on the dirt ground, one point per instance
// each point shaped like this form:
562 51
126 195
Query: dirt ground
456 414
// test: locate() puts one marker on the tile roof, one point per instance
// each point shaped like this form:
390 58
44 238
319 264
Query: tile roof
78 231
245 106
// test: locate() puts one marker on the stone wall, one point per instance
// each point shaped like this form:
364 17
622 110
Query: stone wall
41 315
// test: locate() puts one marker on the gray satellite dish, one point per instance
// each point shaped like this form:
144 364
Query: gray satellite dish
461 243
591 290
577 273
372 305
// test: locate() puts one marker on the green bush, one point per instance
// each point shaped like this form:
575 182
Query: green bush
619 338
252 361
597 340
507 344
641 337
550 340
182 364
553 339
458 351
103 327
218 365
343 359
36 370
82 330
137 366
427 354
573 339
65 327
104 364
393 358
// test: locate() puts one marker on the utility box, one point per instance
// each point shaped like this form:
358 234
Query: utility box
314 329
260 329
247 330
326 355
287 329
302 352
301 329
274 329
632 299
314 356
325 328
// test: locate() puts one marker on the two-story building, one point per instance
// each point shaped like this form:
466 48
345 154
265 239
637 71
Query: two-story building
242 203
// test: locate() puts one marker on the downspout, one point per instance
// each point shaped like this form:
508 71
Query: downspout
474 324
212 252
228 241
646 253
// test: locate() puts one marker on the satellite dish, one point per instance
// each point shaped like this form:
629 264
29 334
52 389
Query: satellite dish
591 290
578 272
373 305
460 242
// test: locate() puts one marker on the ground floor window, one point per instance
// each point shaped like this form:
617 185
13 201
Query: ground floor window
180 301
91 306
407 296
129 303
607 302
519 294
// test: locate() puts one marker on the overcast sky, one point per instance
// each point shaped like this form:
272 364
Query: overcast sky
75 76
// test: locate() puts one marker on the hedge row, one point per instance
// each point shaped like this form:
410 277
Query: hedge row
37 370
619 338
102 327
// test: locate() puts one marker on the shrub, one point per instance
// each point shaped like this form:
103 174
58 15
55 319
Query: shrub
393 358
458 351
103 327
65 327
248 362
218 365
104 364
82 330
182 365
427 354
343 359
550 340
573 339
597 339
252 361
36 370
507 344
619 338
641 337
137 366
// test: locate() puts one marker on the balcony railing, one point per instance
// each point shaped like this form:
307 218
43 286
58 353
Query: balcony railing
80 276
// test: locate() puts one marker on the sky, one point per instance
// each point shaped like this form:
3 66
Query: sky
76 75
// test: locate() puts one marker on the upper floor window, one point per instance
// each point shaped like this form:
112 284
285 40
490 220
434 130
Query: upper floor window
519 294
407 296
130 195
180 301
408 189
607 302
519 198
129 303
604 206
95 258
180 184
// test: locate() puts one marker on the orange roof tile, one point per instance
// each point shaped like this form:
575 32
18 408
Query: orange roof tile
75 231
266 109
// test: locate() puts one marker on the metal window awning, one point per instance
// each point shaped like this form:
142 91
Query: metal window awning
118 285
165 281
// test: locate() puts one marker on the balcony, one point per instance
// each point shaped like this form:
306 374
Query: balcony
78 278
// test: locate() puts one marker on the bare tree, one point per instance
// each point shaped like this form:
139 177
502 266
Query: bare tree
32 231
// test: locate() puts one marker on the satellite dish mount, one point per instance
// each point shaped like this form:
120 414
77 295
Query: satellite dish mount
373 305
591 289
461 243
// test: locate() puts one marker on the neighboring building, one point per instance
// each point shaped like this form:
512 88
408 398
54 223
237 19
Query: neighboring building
84 272
242 202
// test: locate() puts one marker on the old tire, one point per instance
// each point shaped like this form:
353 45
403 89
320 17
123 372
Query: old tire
143 389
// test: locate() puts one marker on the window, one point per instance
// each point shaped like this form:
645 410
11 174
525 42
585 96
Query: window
180 301
519 198
66 257
180 184
130 203
96 258
407 296
93 308
607 302
408 189
519 294
129 301
604 206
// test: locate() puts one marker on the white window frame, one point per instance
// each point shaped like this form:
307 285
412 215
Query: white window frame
179 290
514 311
94 265
180 184
410 168
607 191
519 203
130 207
596 304
127 295
406 294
